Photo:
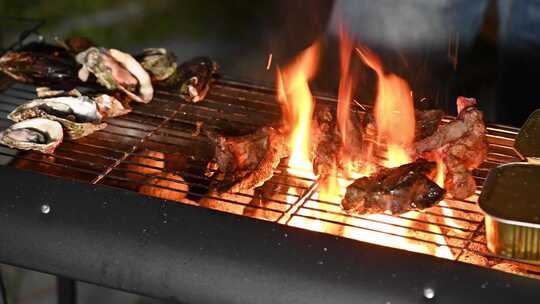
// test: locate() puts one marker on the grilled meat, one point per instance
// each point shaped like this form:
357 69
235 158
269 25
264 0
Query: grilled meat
248 161
462 145
427 123
396 190
328 148
326 142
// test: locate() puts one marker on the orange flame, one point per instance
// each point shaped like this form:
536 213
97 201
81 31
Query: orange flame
345 87
394 111
297 105
294 94
439 179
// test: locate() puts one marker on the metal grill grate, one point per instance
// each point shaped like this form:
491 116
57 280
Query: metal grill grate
155 151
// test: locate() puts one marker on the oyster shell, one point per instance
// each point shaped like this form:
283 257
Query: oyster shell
38 134
40 68
108 105
193 78
116 70
78 115
159 62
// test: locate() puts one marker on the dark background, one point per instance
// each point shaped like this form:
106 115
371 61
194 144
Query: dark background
487 49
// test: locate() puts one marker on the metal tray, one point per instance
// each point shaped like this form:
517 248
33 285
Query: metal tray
511 203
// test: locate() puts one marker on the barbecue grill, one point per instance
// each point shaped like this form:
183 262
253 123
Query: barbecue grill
76 214
116 238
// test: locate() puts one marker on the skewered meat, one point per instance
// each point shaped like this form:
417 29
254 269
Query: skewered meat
192 78
396 190
248 161
462 145
40 68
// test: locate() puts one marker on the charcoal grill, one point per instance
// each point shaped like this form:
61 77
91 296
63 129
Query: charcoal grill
75 214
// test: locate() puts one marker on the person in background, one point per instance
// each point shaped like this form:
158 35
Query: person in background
487 49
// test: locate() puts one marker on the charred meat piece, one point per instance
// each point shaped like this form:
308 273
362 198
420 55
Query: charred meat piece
248 161
462 145
192 78
41 69
328 148
396 190
427 123
325 141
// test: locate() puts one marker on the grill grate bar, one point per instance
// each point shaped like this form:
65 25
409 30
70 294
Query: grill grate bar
126 154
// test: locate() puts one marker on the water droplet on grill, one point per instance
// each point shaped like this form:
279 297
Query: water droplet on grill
429 293
45 209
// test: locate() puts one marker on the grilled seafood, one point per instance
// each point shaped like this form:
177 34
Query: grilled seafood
248 161
40 68
462 146
395 190
114 69
193 78
78 115
158 62
108 105
34 134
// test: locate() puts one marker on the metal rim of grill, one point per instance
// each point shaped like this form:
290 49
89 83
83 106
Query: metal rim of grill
146 147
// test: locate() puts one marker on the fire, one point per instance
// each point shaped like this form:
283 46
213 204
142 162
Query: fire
298 104
439 179
395 120
394 111
345 88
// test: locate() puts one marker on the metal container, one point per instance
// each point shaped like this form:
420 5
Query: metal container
528 140
511 203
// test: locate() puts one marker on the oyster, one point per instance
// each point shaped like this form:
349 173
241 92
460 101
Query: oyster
78 115
34 134
114 69
108 105
159 62
193 78
40 68
75 44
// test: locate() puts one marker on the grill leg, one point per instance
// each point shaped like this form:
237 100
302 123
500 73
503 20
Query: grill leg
66 290
3 296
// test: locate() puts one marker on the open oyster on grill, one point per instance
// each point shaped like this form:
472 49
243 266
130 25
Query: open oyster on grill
108 105
114 70
40 68
78 115
38 134
158 62
193 78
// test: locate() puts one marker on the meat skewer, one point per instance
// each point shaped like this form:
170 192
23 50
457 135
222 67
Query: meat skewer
462 146
395 190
